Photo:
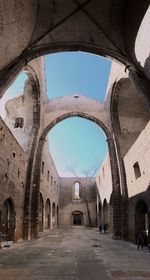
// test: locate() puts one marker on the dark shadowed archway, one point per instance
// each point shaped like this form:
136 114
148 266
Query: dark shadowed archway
41 213
105 215
47 214
8 220
53 215
141 218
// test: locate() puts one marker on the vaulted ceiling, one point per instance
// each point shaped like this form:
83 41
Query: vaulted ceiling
34 27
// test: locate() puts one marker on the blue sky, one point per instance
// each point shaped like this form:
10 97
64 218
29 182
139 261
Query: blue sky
74 143
77 142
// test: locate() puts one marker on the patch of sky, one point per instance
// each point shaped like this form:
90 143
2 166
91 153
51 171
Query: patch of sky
76 72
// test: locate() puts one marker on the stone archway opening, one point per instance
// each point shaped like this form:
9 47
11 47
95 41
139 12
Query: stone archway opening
41 213
53 215
100 213
117 228
141 218
8 220
105 216
47 214
77 218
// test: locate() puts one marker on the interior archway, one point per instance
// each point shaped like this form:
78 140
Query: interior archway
41 212
114 169
47 214
141 218
105 215
53 215
8 220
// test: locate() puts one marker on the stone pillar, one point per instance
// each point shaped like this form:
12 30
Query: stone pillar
116 196
142 84
0 228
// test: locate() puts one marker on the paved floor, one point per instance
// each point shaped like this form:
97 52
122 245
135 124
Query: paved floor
74 254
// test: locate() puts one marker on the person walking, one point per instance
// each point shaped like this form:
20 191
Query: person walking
100 228
140 241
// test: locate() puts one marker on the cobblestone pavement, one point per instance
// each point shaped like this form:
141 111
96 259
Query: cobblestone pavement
75 253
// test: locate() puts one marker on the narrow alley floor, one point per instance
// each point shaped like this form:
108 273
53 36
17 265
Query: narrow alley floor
75 253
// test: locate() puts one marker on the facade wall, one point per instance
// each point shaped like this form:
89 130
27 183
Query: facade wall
13 165
69 204
139 152
50 183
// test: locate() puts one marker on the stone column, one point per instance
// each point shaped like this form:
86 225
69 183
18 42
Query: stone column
142 84
116 196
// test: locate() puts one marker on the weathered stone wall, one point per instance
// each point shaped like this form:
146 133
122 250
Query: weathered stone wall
139 152
13 164
21 106
104 180
68 203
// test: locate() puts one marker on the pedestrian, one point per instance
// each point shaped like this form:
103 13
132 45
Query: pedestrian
105 228
140 241
100 228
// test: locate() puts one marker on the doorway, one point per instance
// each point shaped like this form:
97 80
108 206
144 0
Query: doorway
8 220
77 218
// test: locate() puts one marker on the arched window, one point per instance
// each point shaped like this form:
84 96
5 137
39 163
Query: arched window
77 190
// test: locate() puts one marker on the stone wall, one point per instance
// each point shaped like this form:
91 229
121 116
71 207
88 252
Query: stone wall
68 203
50 183
104 180
139 152
13 164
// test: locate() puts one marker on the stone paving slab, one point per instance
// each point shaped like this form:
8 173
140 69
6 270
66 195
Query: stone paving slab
74 254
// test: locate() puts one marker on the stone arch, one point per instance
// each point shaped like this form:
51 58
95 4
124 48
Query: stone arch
47 214
127 123
41 213
141 218
53 215
105 214
33 143
8 220
114 168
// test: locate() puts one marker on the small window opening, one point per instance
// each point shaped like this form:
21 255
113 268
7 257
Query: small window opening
103 170
137 171
77 190
51 180
19 122
18 173
42 168
48 175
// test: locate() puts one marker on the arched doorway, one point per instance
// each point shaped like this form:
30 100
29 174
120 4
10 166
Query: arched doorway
100 213
141 218
77 218
53 215
57 216
41 208
105 215
47 214
110 215
8 220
